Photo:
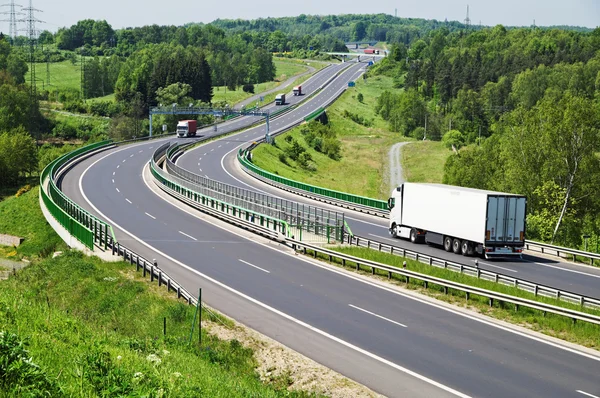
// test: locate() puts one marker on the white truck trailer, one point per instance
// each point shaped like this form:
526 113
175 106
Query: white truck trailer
462 220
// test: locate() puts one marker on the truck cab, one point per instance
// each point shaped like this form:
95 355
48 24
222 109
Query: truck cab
280 99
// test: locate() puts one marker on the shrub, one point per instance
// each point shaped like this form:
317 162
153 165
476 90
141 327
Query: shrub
23 190
248 88
360 97
333 148
19 375
283 158
295 150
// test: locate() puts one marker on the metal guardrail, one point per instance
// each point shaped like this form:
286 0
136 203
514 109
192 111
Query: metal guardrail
559 251
531 287
86 228
303 218
426 279
162 277
187 189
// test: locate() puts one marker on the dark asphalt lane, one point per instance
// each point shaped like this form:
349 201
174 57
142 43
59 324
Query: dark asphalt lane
459 352
217 160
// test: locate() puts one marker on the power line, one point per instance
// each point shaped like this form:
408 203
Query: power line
12 20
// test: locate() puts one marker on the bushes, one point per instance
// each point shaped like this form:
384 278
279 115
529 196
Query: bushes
356 118
19 375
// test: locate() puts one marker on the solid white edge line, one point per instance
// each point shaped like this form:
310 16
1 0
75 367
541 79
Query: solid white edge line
378 316
564 269
587 393
400 293
252 265
189 236
150 215
128 200
259 303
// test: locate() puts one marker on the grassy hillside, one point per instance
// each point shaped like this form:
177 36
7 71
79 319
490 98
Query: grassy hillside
423 161
63 75
22 217
284 70
76 326
363 165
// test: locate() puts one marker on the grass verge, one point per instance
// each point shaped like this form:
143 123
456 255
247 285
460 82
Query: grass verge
284 70
363 165
423 161
23 217
76 326
553 325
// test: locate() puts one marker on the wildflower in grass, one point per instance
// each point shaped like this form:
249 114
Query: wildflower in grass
137 376
154 359
177 375
110 278
165 352
119 357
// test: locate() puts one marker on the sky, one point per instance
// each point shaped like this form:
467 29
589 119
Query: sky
130 13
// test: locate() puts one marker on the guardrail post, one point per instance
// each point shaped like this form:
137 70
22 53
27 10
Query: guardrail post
144 269
445 289
159 277
535 290
516 307
491 302
389 274
343 262
178 292
391 249
357 266
426 284
168 285
430 261
137 264
467 295
372 270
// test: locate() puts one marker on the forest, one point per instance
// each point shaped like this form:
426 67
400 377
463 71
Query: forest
519 108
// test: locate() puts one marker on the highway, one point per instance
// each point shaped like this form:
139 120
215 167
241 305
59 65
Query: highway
395 342
218 161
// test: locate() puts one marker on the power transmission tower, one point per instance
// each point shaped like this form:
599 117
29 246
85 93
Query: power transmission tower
32 34
12 19
467 19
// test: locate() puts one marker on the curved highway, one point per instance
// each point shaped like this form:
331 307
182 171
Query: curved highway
396 342
219 162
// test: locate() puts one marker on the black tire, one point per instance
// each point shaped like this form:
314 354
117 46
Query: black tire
393 231
456 244
447 243
414 238
466 248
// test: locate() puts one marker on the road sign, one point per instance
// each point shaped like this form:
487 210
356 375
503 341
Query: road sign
351 84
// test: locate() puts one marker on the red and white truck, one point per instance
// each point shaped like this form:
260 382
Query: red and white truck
187 128
298 90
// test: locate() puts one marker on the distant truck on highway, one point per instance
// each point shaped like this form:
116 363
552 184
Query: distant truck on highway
280 99
461 220
371 51
187 128
298 90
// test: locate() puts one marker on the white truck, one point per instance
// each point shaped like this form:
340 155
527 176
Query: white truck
462 220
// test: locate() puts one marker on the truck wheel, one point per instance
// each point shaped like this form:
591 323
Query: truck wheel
447 243
466 248
456 245
394 231
414 238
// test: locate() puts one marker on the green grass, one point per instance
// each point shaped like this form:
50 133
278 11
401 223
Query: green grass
96 328
557 326
364 149
423 161
109 97
63 75
23 217
284 70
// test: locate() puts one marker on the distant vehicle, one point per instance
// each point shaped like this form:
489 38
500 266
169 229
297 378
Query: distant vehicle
280 99
187 128
298 90
462 220
371 51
